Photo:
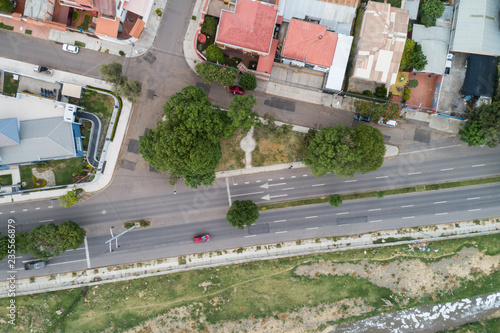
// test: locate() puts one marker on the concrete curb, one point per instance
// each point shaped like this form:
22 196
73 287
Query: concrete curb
252 253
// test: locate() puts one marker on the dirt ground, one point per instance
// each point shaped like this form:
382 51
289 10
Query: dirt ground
410 277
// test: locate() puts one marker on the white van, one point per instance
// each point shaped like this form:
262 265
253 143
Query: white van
389 123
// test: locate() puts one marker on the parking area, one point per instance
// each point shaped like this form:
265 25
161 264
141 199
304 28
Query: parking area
449 98
40 88
298 77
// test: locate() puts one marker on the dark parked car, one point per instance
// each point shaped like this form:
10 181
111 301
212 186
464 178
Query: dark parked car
235 90
358 116
201 238
37 264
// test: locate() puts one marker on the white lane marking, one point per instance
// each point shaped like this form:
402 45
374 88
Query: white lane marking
288 188
270 180
228 192
234 184
278 221
66 262
250 236
431 149
439 202
269 197
267 185
280 232
304 175
1 213
50 207
282 178
374 209
474 210
441 214
87 251
344 224
351 181
407 206
12 211
414 173
240 195
408 217
25 210
475 198
294 176
313 228
381 177
478 165
344 213
258 181
247 183
318 185
375 221
448 169
311 217
37 208
42 221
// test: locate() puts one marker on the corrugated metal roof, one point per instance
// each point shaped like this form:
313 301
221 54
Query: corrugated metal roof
477 27
339 65
435 42
9 132
412 7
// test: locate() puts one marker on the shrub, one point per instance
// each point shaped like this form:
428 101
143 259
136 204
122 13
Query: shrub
407 91
335 200
193 18
248 81
367 92
381 92
214 73
406 97
215 55
158 11
121 53
412 84
380 194
209 26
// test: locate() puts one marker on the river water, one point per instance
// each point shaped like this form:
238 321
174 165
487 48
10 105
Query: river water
428 318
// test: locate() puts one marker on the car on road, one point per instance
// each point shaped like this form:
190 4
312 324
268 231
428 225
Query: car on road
201 238
70 48
235 90
360 117
36 264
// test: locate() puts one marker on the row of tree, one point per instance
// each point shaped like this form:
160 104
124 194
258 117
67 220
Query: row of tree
483 126
46 240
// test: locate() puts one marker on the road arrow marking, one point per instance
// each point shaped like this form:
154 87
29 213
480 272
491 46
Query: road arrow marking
240 195
266 185
269 197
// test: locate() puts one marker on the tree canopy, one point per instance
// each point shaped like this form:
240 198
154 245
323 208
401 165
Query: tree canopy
185 144
6 6
413 56
242 213
72 197
209 26
214 54
130 89
430 10
241 114
483 126
215 73
343 151
112 74
386 111
248 81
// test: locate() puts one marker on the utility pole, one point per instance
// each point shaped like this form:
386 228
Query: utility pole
113 237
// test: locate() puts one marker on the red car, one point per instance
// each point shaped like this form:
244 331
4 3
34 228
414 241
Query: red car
201 238
235 90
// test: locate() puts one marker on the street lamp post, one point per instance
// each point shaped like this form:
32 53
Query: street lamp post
113 237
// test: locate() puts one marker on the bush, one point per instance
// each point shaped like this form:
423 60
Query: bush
214 73
367 92
248 81
407 91
209 26
335 200
158 11
121 53
215 55
380 194
406 97
430 10
193 18
381 92
412 84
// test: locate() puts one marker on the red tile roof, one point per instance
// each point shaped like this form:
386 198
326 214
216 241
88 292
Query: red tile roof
137 29
106 27
309 42
250 26
265 64
105 7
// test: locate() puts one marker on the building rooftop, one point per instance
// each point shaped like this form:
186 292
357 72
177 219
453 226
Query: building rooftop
105 7
412 7
140 7
42 10
309 42
249 27
381 43
9 132
434 42
480 76
107 27
477 27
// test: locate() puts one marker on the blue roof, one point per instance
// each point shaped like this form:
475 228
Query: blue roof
9 132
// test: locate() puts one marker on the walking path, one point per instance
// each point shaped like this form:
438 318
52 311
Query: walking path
252 253
248 144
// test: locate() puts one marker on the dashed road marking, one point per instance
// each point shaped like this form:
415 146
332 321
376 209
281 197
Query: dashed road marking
406 206
37 208
278 221
375 221
247 183
408 217
311 217
475 198
234 184
374 209
43 221
414 173
478 165
344 213
282 177
50 207
25 210
313 228
250 236
294 176
288 188
318 185
474 210
280 232
258 181
270 180
351 181
441 214
12 211
381 177
304 175
448 169
440 202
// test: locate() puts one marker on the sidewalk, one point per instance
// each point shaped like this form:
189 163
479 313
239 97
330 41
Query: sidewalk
252 253
113 149
449 125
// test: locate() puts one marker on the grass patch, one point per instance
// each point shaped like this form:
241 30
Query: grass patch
28 32
5 180
86 22
237 292
275 147
381 194
6 27
80 44
231 61
26 176
64 170
10 85
232 154
85 130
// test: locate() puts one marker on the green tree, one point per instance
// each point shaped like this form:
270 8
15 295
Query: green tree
387 111
72 197
130 89
370 147
214 54
248 81
412 83
186 143
209 26
418 59
70 235
309 136
431 10
6 6
214 73
242 213
22 241
335 200
241 114
4 246
407 54
343 152
112 74
483 124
